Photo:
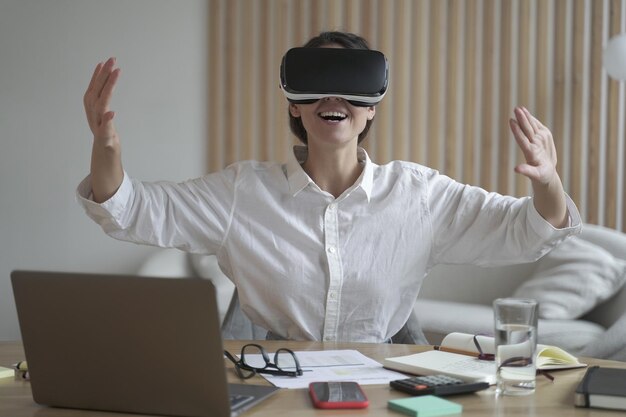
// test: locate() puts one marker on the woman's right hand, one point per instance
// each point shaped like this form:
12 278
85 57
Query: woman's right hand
97 100
106 161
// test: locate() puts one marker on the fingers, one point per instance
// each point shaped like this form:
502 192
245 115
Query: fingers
103 76
107 90
525 123
98 97
521 138
107 117
88 97
537 125
528 171
93 77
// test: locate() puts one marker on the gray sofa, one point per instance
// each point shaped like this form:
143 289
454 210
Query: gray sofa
459 297
591 265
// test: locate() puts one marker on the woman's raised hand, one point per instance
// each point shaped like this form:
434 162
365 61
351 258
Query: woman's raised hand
97 100
535 141
106 162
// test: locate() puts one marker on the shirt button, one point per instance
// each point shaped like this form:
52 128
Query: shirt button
333 295
331 249
332 206
328 338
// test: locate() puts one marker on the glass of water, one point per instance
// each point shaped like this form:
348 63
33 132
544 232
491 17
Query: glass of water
516 345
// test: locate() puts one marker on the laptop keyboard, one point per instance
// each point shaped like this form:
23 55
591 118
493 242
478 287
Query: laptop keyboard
238 400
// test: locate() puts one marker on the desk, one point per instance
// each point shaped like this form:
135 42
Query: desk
550 399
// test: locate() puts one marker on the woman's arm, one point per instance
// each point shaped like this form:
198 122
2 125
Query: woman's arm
106 161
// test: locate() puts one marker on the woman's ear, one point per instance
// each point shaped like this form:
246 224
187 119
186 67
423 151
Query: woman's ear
371 112
294 110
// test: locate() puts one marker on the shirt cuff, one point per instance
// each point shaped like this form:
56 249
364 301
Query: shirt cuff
545 229
111 208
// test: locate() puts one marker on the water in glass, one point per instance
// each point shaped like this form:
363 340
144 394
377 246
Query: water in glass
515 358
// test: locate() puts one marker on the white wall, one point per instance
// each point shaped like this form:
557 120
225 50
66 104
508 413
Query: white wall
48 50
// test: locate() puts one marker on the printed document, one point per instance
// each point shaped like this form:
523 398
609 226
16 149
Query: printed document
335 365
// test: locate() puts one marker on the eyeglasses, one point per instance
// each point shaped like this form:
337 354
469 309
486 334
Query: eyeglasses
254 359
517 361
481 354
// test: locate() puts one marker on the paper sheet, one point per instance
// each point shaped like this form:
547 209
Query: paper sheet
335 365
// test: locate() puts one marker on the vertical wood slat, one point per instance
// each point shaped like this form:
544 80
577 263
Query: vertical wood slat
233 80
488 95
452 63
435 83
622 165
595 115
504 86
579 108
471 94
418 105
524 97
403 52
457 69
215 82
385 43
543 67
560 67
612 127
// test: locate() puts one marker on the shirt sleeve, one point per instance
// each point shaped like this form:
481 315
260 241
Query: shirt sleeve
192 216
473 226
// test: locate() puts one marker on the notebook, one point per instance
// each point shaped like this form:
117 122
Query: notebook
125 343
602 388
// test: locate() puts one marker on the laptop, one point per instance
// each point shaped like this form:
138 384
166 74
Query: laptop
128 344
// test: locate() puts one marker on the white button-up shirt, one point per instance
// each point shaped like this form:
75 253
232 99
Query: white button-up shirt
309 266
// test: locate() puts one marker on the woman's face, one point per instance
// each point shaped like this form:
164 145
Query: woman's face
332 119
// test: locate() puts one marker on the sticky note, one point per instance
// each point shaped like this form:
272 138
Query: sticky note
425 406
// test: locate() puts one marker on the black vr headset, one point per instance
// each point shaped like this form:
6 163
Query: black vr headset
360 76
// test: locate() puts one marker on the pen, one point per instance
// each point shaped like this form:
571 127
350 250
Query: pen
452 350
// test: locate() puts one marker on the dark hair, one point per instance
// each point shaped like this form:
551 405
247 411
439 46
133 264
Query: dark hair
346 40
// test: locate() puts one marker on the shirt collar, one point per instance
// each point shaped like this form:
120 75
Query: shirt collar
298 179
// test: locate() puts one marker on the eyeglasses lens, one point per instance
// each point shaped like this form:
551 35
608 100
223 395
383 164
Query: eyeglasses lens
285 360
254 357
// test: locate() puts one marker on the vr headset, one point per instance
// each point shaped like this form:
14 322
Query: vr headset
360 76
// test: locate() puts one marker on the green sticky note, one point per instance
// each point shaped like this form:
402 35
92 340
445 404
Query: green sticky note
425 406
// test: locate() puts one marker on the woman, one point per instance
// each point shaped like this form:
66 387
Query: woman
328 246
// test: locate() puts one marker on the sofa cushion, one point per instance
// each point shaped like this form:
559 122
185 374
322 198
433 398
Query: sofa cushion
438 318
572 279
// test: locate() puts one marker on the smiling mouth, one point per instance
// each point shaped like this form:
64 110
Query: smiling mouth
333 116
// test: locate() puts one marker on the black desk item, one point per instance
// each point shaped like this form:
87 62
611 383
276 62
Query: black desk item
602 388
437 385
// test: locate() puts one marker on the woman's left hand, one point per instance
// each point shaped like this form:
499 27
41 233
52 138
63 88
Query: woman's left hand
538 148
535 141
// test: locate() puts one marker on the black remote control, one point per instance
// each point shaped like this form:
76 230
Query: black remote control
437 385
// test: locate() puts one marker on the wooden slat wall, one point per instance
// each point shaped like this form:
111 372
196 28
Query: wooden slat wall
457 70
